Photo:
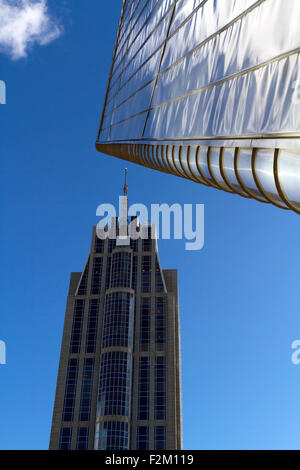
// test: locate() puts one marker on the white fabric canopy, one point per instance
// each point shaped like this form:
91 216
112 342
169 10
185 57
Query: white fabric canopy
210 74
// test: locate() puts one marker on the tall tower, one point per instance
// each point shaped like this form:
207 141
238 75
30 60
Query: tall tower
118 383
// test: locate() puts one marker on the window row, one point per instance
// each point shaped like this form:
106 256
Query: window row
112 435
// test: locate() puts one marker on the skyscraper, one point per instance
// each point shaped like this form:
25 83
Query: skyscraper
209 90
118 383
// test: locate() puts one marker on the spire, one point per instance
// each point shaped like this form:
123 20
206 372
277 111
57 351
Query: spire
123 216
125 185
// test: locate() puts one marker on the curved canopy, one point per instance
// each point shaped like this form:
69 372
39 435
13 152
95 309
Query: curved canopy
210 91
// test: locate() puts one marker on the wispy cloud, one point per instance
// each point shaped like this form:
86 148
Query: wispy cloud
24 23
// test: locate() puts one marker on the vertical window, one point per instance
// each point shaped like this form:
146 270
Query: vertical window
160 388
112 435
83 283
121 269
107 274
143 388
147 243
86 390
134 272
160 320
96 276
146 274
65 439
134 244
99 245
82 441
142 438
114 384
159 437
92 326
70 390
159 285
78 314
111 244
117 322
145 319
133 228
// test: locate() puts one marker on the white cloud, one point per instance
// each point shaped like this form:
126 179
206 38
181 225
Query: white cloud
23 23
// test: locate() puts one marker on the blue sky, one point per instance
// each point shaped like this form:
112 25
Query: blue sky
239 295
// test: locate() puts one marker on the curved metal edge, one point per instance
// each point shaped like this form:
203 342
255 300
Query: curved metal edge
208 182
240 180
260 187
168 159
180 173
217 183
225 177
190 177
279 187
196 177
124 152
163 158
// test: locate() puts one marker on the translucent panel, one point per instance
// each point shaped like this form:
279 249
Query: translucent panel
130 129
226 85
289 175
142 14
212 16
131 27
139 77
264 170
139 101
155 42
184 8
241 106
151 26
104 135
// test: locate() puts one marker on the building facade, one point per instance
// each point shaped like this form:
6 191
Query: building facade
209 90
118 383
